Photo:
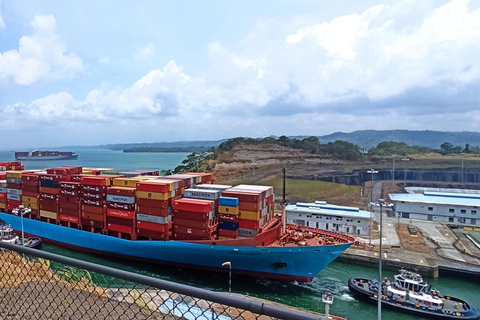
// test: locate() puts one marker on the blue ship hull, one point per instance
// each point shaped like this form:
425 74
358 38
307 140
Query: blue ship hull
300 264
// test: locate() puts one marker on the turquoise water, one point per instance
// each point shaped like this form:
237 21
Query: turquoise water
307 296
102 158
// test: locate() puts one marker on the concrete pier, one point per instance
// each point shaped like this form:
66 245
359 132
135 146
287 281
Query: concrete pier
436 250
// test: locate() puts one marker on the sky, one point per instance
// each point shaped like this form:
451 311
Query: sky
99 72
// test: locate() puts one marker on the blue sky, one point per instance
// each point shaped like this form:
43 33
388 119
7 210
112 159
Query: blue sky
97 72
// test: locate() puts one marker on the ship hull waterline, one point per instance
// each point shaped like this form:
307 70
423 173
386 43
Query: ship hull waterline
287 263
47 158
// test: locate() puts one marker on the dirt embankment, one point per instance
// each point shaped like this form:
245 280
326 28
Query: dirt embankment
255 163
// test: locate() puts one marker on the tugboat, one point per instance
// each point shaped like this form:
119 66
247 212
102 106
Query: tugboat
409 293
7 235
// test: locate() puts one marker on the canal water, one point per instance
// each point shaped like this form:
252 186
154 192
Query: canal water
306 296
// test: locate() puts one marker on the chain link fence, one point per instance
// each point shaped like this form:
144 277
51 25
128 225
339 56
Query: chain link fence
39 285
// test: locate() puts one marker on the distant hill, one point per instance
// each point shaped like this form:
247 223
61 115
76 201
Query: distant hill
166 145
426 138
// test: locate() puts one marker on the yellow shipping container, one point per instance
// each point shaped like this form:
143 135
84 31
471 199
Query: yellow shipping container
3 205
32 205
228 210
250 215
48 214
14 174
153 195
127 182
30 199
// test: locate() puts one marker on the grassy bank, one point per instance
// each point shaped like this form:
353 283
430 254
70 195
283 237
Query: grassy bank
309 191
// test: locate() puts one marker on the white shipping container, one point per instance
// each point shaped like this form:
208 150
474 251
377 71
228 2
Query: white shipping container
154 219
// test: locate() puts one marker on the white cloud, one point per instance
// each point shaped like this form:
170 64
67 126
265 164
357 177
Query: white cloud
316 74
40 56
146 52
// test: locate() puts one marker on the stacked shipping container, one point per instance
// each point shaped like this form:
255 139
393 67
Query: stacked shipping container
182 207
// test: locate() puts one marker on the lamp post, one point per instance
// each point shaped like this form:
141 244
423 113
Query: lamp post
404 173
462 154
381 203
393 171
21 210
327 298
229 264
372 171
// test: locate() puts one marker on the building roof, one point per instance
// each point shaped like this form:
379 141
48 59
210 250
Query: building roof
460 199
323 208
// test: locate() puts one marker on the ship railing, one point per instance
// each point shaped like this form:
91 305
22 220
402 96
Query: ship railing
35 284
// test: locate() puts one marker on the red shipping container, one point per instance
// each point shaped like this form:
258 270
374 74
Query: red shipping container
48 202
93 223
47 207
121 213
47 196
69 185
248 224
30 194
93 195
3 196
93 203
160 212
121 191
193 205
153 203
203 232
67 192
189 215
68 218
14 186
73 170
154 234
69 205
193 223
52 177
30 177
250 206
120 228
227 233
34 212
121 206
59 171
31 183
93 216
121 221
48 190
159 227
227 217
13 204
91 188
69 212
70 199
92 209
96 180
30 189
150 186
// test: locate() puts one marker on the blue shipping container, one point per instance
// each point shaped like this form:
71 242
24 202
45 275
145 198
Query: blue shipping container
228 225
228 201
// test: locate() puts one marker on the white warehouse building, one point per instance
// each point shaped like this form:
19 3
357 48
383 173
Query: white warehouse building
321 215
461 208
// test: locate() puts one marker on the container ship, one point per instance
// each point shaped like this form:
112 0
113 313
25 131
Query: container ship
45 155
183 220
